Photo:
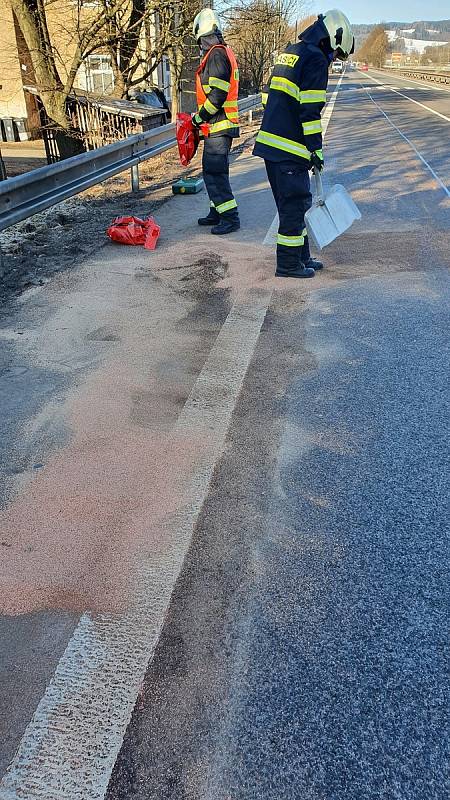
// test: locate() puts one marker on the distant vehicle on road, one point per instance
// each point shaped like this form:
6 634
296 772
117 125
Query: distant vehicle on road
337 68
364 67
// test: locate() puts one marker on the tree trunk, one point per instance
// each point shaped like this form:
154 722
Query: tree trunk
55 105
120 88
174 106
34 30
175 63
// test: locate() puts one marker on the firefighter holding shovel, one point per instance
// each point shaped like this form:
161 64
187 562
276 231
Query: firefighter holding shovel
217 86
290 138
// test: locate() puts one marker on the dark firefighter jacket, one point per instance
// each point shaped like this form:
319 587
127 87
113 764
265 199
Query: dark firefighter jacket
291 127
217 79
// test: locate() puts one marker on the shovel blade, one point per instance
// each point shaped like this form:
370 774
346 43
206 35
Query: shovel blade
328 221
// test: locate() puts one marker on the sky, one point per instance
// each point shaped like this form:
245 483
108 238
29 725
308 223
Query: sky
387 10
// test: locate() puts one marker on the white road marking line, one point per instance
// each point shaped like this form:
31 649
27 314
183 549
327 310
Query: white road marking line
427 88
420 156
381 88
271 235
384 86
427 108
71 744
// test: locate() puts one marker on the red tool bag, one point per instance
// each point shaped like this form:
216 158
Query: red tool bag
133 230
188 137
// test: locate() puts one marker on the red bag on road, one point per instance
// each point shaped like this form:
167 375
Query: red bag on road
136 231
188 137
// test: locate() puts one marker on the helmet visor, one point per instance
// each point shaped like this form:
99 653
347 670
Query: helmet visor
342 54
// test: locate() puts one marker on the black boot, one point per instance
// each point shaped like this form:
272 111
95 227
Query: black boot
213 218
299 272
314 263
226 225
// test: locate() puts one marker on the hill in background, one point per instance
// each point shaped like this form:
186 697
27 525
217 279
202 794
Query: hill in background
416 35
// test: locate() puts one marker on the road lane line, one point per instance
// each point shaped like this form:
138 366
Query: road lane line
427 108
71 744
426 88
419 155
329 108
270 237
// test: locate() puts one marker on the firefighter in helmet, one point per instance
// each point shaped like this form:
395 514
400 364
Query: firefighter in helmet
217 86
290 138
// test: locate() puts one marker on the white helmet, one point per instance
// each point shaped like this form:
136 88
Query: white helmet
205 23
339 31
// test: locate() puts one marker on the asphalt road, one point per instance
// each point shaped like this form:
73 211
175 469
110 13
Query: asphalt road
303 653
422 112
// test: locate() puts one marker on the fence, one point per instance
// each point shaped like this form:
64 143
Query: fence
28 194
96 121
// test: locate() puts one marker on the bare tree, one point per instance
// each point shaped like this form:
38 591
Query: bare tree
436 55
155 29
61 36
301 25
257 30
374 49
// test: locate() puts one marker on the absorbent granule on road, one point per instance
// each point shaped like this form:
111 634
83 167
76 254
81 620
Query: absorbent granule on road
62 237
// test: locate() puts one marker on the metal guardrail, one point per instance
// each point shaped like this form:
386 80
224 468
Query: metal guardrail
421 74
25 195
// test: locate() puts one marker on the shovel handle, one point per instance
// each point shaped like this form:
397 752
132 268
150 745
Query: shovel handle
319 187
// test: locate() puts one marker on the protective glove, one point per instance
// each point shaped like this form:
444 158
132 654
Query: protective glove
317 160
196 120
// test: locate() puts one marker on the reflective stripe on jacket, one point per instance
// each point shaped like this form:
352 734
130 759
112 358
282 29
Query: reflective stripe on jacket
217 89
291 127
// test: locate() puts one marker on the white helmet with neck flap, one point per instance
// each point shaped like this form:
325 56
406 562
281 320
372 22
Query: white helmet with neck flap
205 23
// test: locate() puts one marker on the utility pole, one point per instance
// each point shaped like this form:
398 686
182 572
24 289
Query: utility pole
279 11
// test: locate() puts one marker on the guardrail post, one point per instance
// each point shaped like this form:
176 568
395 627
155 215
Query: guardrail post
3 175
250 116
135 178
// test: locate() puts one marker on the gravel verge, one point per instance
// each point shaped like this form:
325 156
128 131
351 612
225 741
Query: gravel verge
63 236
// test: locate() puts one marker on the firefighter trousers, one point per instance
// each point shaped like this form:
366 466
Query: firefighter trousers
291 189
216 174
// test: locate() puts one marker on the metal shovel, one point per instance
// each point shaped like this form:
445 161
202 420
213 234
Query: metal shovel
330 215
